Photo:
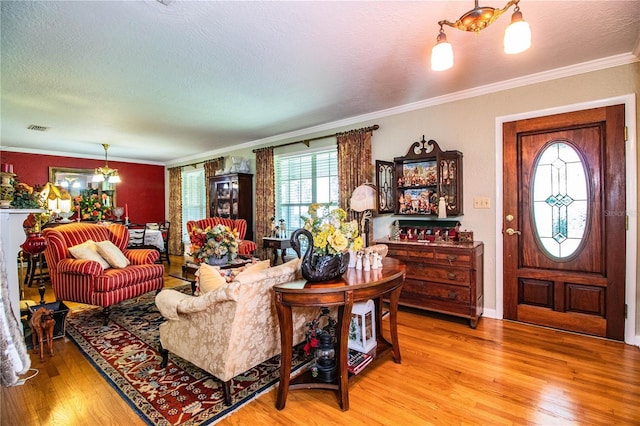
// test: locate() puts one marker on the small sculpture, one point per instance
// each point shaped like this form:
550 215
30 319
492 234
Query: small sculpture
42 323
366 262
273 226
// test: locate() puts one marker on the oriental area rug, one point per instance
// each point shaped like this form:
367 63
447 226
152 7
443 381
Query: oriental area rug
125 352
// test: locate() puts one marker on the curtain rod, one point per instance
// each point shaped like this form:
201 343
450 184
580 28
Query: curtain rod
306 141
199 162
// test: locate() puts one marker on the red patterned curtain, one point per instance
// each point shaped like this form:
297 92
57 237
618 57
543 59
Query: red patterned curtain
354 166
265 196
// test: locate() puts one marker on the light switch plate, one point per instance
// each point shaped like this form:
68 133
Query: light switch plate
481 203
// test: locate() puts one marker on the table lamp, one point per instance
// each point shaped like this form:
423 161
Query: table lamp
363 200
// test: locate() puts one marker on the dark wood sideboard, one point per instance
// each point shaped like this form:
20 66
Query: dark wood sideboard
442 277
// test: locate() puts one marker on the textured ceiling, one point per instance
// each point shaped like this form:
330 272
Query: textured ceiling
160 83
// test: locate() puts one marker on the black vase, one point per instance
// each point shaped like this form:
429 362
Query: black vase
317 267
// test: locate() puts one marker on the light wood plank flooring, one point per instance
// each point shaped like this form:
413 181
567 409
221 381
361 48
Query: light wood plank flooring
502 373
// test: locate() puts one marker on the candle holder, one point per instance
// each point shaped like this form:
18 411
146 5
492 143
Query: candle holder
118 212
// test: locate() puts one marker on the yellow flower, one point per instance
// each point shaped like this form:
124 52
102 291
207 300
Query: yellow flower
357 243
338 241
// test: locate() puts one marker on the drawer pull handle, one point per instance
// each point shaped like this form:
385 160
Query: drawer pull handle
452 294
451 275
452 258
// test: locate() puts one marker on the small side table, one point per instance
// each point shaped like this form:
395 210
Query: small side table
276 244
354 286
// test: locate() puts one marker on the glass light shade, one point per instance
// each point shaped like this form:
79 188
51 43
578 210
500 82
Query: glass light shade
442 56
517 36
114 178
52 204
64 205
98 177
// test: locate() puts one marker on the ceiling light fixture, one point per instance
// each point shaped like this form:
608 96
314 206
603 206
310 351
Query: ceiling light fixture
106 173
517 37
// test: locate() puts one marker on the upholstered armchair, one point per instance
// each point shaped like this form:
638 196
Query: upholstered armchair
246 247
231 329
93 280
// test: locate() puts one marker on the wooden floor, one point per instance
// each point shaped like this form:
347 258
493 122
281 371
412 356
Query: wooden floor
501 373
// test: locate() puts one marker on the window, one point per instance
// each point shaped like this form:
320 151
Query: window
193 198
302 179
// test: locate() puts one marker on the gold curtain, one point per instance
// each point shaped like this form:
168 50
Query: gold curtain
210 168
354 167
176 247
265 196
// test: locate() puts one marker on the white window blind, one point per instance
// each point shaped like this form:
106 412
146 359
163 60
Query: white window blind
302 179
193 198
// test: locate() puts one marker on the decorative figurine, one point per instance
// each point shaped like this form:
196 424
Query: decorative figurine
366 262
442 208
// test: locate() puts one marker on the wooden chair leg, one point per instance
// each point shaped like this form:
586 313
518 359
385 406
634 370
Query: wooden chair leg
165 356
226 392
106 312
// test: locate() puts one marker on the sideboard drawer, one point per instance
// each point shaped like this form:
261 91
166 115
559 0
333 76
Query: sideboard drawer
439 274
459 258
436 291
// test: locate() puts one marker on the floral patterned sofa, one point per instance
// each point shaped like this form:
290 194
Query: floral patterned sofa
229 330
87 281
245 247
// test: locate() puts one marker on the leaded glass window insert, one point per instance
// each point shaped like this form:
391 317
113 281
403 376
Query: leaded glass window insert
560 200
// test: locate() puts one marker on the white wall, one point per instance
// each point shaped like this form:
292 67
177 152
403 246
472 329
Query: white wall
468 125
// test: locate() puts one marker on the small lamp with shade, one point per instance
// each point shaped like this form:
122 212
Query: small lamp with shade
363 200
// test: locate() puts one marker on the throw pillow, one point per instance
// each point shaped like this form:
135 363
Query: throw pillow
250 272
210 278
112 254
88 251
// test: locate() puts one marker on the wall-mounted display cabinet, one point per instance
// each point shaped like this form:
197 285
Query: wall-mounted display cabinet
422 177
231 196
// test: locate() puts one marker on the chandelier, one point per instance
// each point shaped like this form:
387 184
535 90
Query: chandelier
517 36
106 173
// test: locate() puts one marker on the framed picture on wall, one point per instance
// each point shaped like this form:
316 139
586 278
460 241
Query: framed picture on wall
77 181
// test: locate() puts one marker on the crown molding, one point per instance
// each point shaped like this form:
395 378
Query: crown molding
73 155
572 70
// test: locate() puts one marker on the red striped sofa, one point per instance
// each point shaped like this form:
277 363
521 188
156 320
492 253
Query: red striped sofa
84 281
245 247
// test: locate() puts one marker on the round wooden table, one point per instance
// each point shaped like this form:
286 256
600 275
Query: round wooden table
353 286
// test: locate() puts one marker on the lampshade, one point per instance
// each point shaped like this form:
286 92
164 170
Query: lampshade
363 198
517 36
442 53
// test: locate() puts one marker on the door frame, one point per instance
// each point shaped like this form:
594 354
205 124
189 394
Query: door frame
630 336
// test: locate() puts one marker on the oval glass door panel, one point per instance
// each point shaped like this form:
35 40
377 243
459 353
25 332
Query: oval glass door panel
560 200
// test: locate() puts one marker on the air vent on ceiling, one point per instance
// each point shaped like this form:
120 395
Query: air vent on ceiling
37 128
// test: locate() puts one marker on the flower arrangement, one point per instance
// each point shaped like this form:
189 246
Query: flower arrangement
25 196
91 206
332 234
214 242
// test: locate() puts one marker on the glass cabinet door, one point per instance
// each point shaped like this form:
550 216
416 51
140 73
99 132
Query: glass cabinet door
449 169
221 204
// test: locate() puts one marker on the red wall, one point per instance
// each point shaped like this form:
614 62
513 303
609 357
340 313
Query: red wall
142 186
